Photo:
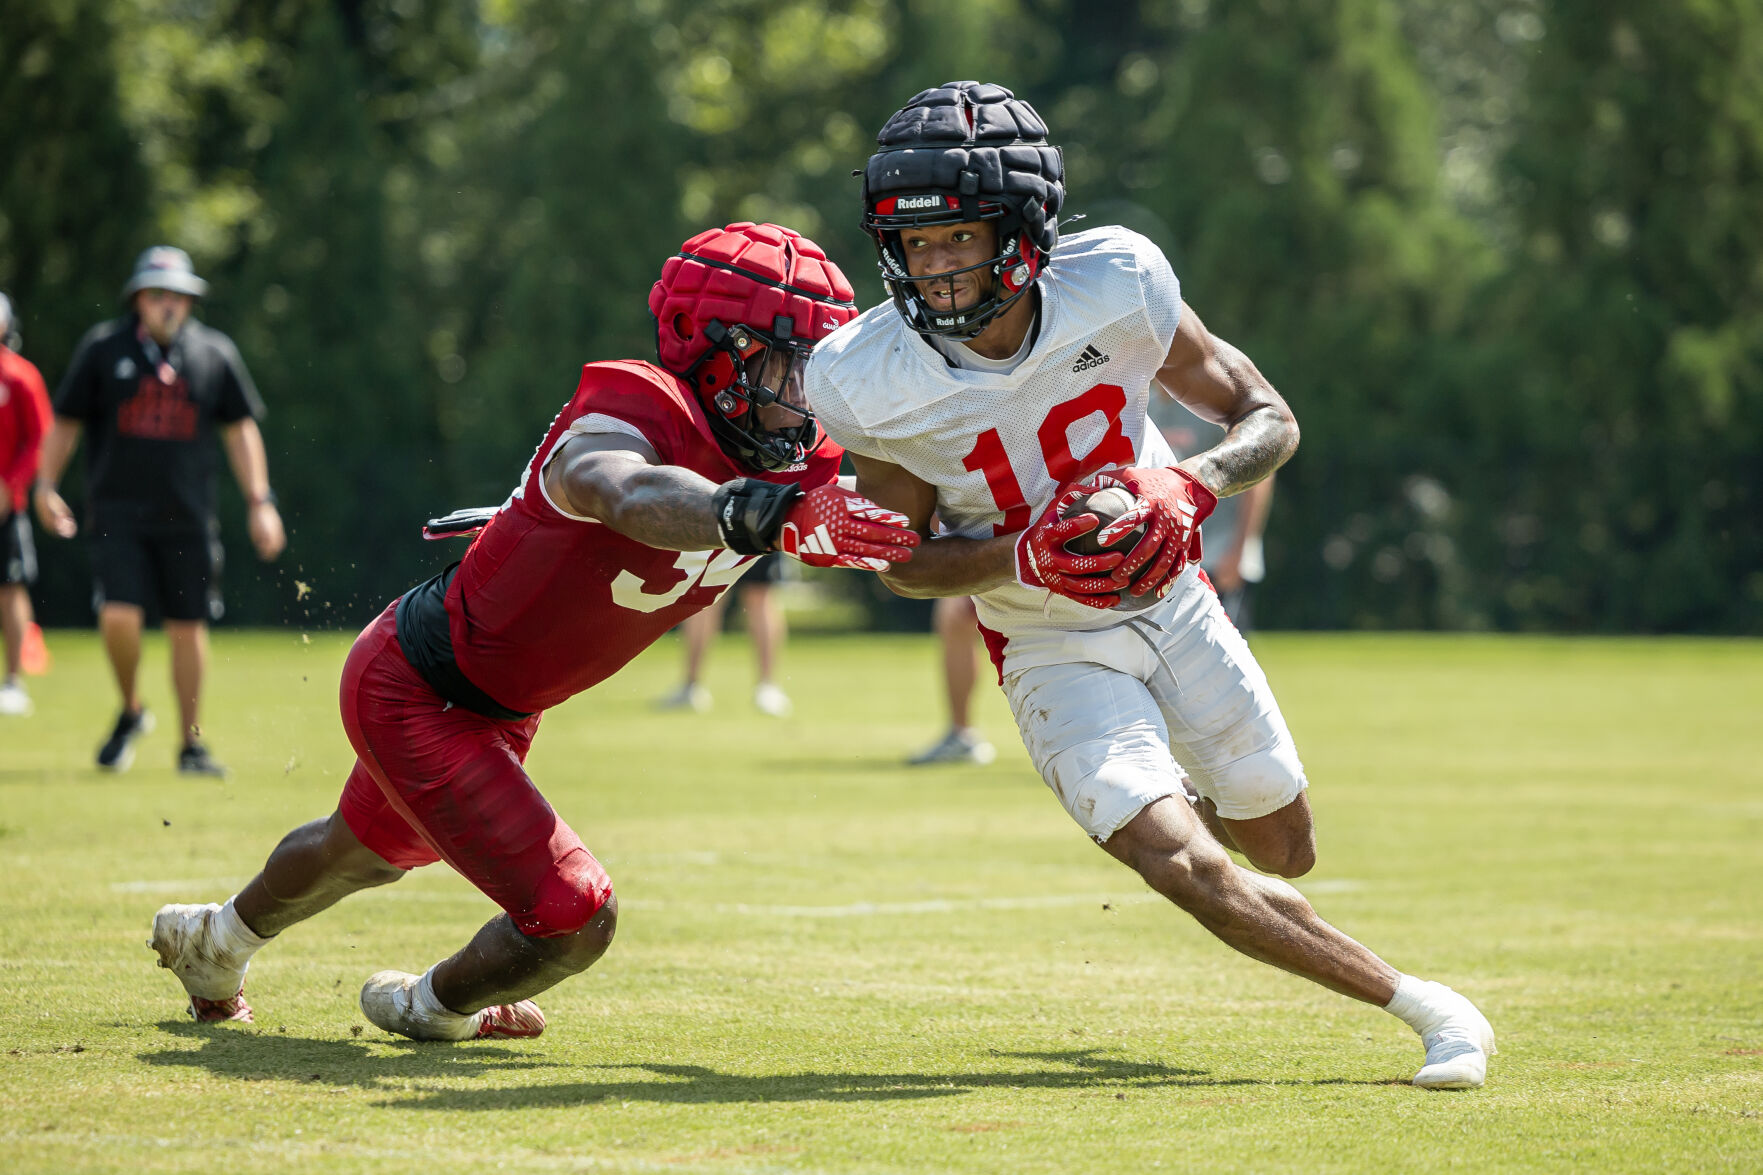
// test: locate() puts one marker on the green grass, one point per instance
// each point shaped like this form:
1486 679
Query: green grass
828 963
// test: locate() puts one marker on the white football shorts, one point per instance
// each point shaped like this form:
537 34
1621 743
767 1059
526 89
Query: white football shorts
1119 717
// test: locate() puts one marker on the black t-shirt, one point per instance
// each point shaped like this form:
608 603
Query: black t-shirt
150 417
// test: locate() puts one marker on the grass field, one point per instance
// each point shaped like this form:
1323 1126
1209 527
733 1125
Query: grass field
828 963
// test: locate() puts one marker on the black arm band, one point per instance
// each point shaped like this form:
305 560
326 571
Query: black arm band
750 512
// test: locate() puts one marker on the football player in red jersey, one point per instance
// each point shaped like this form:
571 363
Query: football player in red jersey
651 492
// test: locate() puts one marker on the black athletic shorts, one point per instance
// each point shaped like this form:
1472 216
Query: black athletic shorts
766 570
18 554
177 570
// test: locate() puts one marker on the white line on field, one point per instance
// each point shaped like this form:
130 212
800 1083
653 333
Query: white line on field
941 905
852 910
200 884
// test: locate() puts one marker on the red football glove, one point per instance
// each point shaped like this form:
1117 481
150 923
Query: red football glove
1173 503
831 527
1043 562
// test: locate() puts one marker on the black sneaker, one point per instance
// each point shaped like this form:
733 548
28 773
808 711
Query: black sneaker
194 759
118 751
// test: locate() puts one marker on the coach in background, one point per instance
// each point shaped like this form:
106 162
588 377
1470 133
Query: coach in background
150 389
24 417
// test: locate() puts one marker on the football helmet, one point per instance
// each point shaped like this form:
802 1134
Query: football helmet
737 312
959 153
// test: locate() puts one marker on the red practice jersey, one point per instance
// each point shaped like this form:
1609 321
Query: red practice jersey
24 419
546 605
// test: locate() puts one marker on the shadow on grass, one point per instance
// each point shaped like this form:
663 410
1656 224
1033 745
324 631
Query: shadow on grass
697 1084
271 1056
265 1054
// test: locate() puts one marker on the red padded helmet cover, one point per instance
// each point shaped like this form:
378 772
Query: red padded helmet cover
773 272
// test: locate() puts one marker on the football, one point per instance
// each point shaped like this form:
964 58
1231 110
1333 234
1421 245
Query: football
1107 505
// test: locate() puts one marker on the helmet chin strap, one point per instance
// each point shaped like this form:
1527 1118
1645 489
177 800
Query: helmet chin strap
968 323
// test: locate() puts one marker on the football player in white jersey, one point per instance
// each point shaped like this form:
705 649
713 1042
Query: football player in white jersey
1011 367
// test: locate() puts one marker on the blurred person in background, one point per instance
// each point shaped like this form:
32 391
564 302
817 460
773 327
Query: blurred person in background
24 419
1007 380
1233 558
655 487
765 625
150 391
956 625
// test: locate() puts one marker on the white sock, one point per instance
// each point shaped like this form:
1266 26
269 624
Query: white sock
429 1005
232 936
1410 1003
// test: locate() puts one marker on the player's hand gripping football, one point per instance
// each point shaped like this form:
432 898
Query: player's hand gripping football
832 527
1172 505
1042 560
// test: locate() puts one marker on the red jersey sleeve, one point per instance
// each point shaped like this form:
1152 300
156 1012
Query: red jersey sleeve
546 605
27 412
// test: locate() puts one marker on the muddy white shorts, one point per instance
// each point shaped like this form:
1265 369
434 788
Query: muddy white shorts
1119 717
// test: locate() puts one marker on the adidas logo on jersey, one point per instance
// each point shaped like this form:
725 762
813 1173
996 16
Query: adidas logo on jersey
1090 358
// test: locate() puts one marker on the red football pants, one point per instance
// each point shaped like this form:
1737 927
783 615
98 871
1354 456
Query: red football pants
434 782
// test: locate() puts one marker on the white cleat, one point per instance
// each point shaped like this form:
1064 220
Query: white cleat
961 745
14 702
690 696
1458 1044
183 937
388 1000
773 701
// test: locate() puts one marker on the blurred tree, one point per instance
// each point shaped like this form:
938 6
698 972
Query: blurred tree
74 201
1497 253
545 227
75 207
1284 155
1630 328
334 348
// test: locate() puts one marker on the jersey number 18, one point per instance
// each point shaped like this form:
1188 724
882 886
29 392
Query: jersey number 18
988 456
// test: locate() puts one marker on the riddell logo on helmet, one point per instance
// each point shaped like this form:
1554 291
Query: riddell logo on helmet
913 203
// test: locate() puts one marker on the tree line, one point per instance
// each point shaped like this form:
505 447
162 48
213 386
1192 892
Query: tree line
1500 255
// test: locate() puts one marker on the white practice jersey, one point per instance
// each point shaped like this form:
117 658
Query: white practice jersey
998 447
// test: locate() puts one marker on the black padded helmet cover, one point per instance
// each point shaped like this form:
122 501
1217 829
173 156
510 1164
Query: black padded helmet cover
963 152
982 130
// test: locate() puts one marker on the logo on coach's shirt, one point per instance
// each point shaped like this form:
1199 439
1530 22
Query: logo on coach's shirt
1090 358
125 368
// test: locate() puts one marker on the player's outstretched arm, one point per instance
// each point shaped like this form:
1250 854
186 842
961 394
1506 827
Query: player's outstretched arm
622 482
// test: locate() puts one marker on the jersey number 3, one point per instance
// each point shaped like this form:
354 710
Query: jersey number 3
700 568
988 456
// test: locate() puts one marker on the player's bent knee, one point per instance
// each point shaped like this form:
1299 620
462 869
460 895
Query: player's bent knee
1301 860
1288 860
370 869
1282 842
568 899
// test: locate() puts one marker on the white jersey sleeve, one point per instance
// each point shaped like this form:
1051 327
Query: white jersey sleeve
997 447
826 395
1162 296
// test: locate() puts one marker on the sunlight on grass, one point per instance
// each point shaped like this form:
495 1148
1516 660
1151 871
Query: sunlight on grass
828 962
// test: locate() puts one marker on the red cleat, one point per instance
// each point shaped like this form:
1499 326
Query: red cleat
522 1019
233 1007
